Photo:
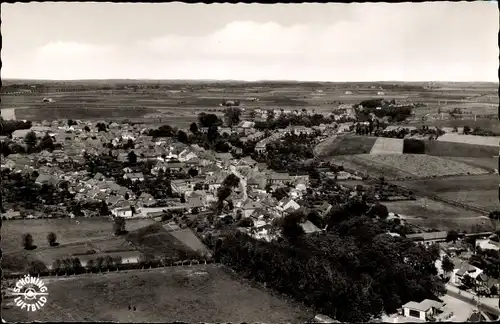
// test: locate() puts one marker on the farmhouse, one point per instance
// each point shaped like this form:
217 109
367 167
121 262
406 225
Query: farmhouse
279 179
425 310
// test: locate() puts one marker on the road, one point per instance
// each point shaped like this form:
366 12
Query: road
489 305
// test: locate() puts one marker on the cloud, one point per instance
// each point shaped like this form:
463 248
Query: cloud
57 50
432 41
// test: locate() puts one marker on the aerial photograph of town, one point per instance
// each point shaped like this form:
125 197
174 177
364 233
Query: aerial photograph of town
250 163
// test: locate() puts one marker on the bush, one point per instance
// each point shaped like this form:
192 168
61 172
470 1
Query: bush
413 146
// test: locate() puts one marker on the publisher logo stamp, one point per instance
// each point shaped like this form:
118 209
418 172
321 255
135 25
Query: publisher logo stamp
31 293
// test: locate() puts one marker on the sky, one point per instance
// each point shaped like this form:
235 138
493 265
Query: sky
434 41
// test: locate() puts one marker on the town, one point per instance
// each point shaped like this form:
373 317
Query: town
242 163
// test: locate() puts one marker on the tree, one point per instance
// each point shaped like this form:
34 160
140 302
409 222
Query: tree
182 137
231 181
52 238
101 127
291 228
127 196
132 158
467 130
90 265
193 172
494 290
452 236
119 225
193 128
447 265
30 139
47 143
36 267
232 115
104 210
208 120
28 241
86 128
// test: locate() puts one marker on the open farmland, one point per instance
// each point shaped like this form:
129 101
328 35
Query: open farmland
387 146
486 163
207 293
471 139
154 240
406 166
477 191
438 215
67 230
345 145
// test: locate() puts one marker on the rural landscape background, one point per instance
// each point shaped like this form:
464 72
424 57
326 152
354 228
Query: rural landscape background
152 185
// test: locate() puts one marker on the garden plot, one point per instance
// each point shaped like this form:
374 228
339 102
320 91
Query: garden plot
387 146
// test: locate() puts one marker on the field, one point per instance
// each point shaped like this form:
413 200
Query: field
207 293
156 241
345 145
67 230
432 214
477 191
406 166
471 139
183 100
487 163
387 146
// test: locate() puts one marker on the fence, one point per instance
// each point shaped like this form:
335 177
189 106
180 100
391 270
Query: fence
122 267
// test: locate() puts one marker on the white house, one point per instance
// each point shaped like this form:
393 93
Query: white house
423 310
125 212
289 204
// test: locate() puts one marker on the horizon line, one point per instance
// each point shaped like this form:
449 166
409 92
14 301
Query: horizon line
247 81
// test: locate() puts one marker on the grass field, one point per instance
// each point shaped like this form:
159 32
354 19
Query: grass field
439 148
156 241
489 164
471 139
478 191
439 215
345 145
66 230
387 146
419 165
207 293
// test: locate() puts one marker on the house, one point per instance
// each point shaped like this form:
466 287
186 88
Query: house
146 200
11 214
428 238
245 127
125 212
309 227
260 147
175 166
134 176
324 209
47 179
20 133
225 130
195 203
298 130
180 186
279 179
463 268
425 310
193 163
288 204
250 207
